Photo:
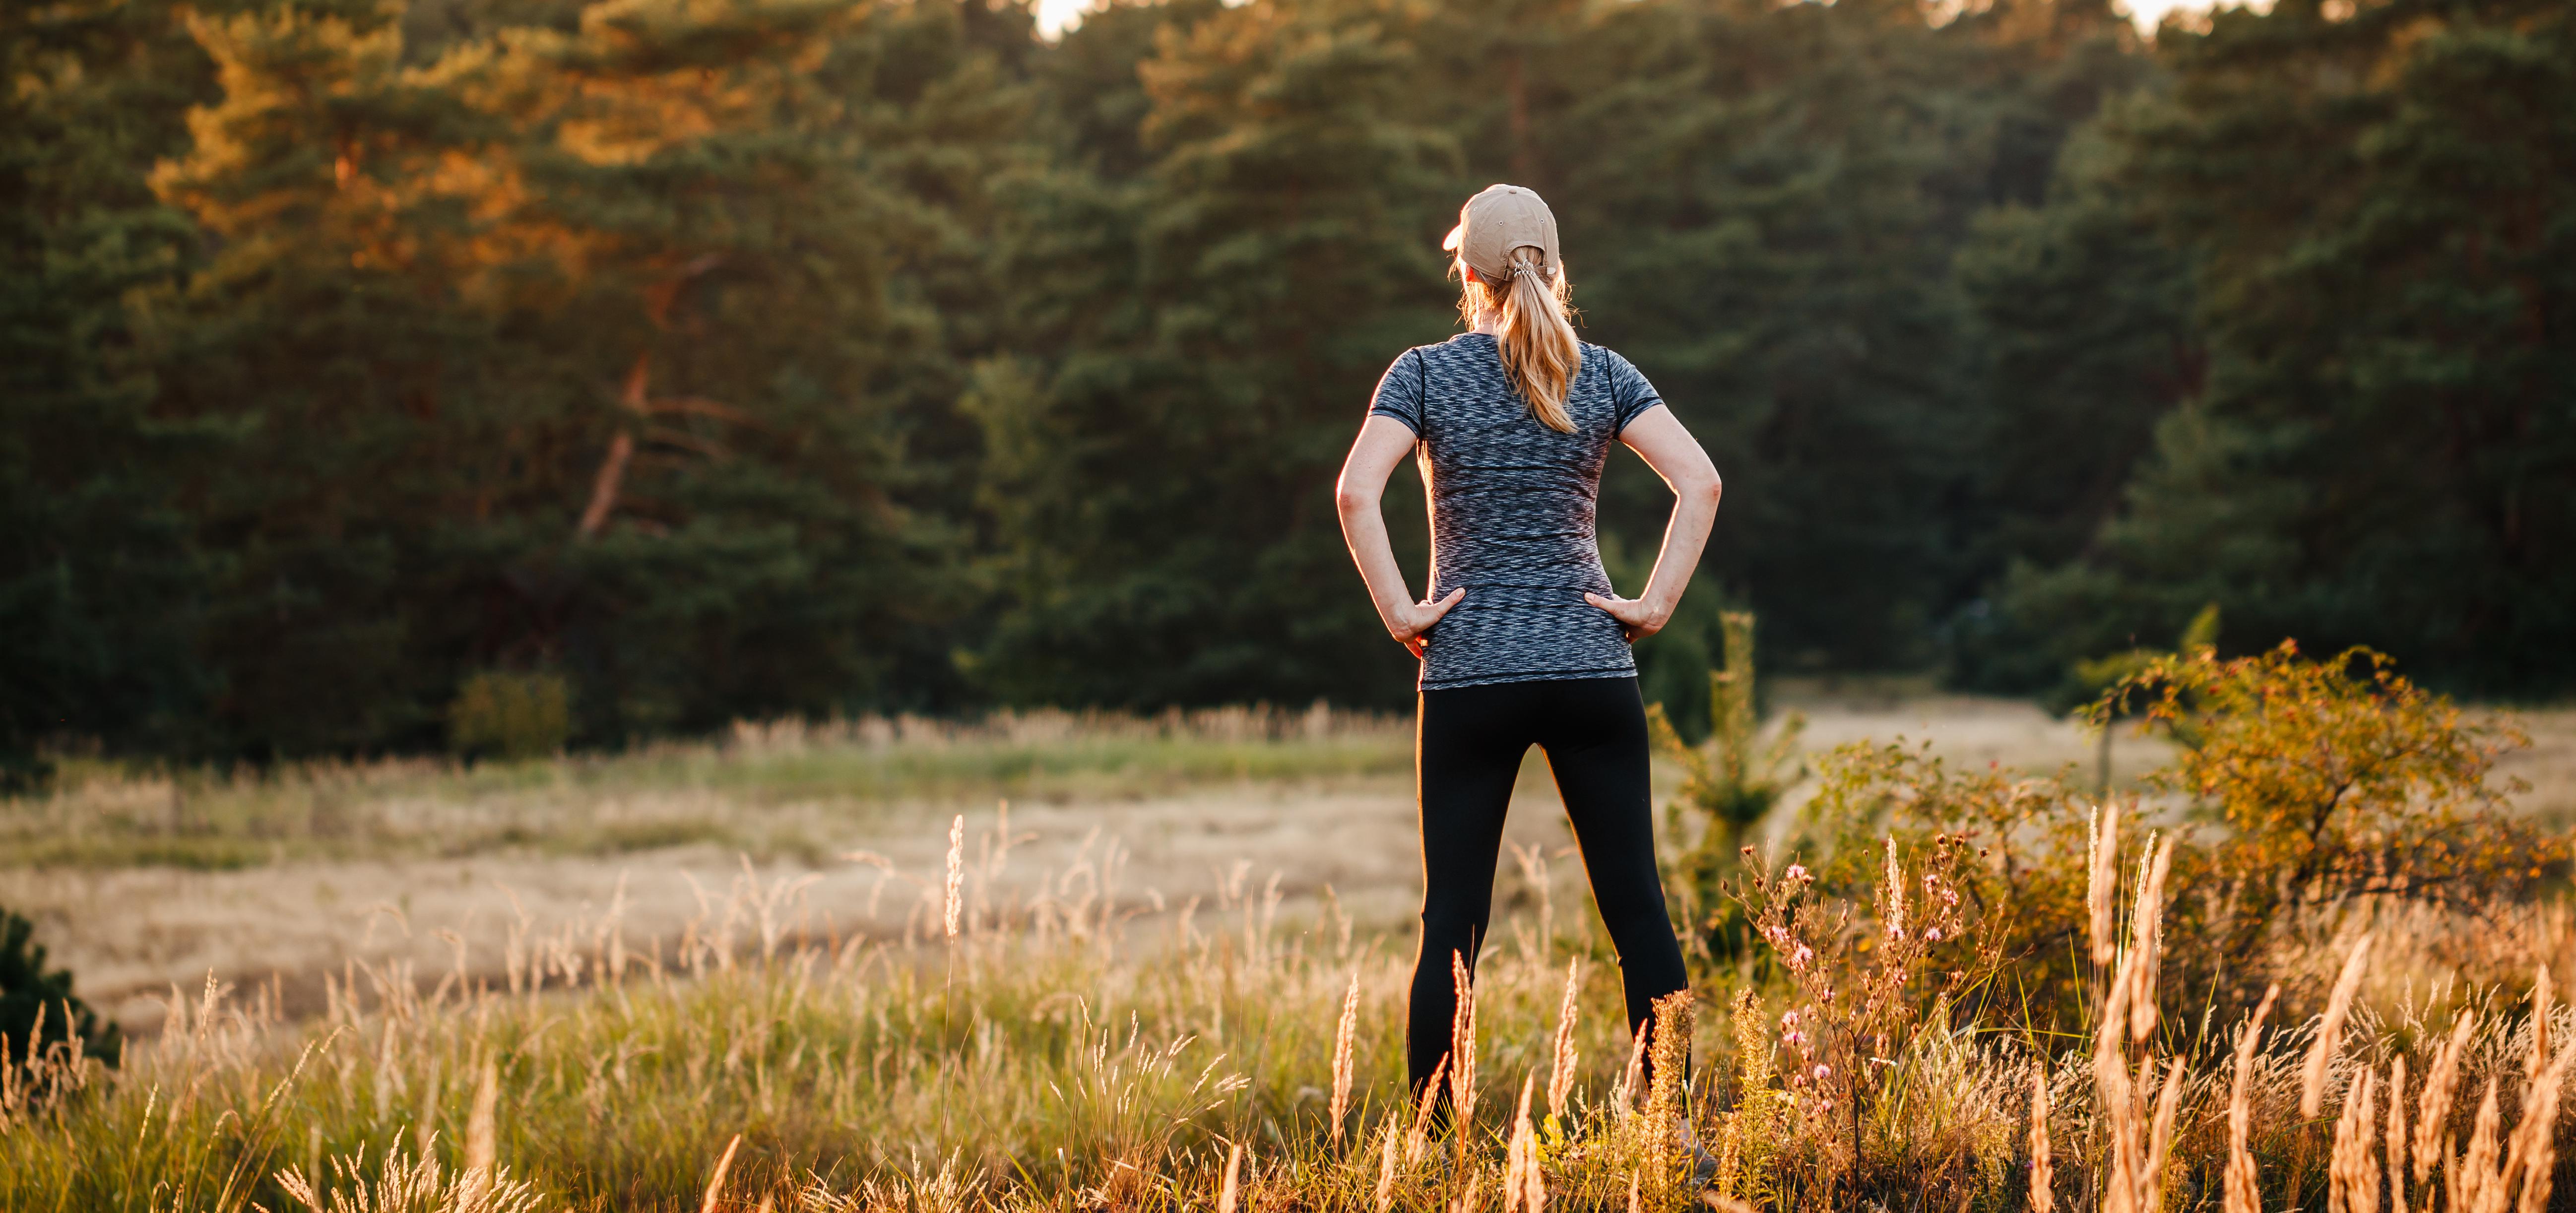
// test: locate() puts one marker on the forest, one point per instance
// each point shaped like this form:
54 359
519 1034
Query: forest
724 359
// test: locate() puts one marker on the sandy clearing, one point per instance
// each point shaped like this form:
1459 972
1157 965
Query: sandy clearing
131 934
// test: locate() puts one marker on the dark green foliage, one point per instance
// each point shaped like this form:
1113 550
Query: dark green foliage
744 358
2082 316
98 572
1163 494
37 1007
1773 197
654 392
2383 228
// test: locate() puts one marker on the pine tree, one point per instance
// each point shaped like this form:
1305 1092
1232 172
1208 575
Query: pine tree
1175 540
99 575
2375 199
1770 199
600 349
2083 318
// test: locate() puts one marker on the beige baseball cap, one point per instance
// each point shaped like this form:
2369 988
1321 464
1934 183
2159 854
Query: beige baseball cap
1499 219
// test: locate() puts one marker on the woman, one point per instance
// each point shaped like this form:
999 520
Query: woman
1522 639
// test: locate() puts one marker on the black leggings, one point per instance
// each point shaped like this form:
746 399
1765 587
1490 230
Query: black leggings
1467 754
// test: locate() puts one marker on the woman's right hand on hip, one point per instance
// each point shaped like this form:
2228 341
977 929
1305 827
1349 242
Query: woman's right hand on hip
1409 621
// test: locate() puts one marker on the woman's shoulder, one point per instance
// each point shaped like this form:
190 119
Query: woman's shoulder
1465 353
1602 355
1454 343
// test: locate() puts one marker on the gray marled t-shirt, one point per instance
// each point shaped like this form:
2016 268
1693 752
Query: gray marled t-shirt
1512 511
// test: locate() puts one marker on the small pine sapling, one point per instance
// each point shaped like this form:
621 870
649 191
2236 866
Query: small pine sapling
1730 782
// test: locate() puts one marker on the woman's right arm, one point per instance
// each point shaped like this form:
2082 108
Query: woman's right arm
1383 443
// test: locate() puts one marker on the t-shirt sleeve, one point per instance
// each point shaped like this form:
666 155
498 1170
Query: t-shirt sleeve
1629 391
1399 391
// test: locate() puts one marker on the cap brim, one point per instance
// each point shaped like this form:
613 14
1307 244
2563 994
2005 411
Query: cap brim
1449 243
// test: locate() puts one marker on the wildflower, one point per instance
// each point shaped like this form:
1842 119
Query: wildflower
1800 958
1797 871
1933 934
1824 1072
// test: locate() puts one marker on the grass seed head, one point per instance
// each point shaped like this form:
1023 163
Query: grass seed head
2103 876
2312 1074
2043 1171
2540 1000
1560 1078
716 1181
2433 1107
1344 1035
2535 1138
1418 1138
481 1141
2147 941
2479 1177
1385 1195
950 903
1632 1078
2160 1136
1227 1197
2242 1181
1522 1188
2352 1175
1462 1048
2395 1149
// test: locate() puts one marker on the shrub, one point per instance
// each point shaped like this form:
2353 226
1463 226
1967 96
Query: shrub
2326 782
2302 789
510 715
37 1008
2021 842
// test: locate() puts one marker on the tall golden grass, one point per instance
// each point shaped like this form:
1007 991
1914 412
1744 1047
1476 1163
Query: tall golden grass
1073 1049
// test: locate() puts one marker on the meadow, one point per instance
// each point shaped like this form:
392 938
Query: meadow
1169 973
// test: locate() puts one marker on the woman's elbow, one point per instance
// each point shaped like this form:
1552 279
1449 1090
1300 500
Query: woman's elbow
1703 486
1350 499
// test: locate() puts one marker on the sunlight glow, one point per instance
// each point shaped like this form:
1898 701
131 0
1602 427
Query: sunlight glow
1057 16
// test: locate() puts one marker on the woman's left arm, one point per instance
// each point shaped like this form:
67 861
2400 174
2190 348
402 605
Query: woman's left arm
1658 437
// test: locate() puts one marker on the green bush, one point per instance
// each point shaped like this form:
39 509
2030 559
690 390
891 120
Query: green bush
2299 790
2323 783
498 714
37 1008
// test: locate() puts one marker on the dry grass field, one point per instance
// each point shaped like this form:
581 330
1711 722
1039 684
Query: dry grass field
285 880
1157 964
297 876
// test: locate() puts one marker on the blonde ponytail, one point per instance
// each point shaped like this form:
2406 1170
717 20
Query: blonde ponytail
1534 327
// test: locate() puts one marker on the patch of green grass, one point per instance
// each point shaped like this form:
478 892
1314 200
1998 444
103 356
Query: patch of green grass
747 791
195 854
